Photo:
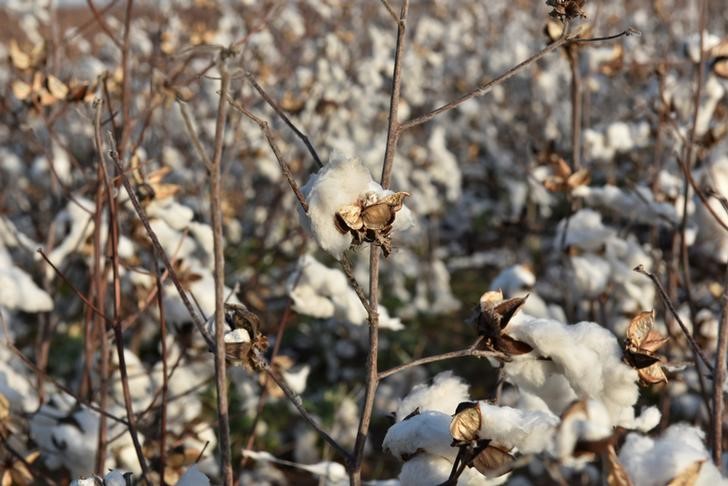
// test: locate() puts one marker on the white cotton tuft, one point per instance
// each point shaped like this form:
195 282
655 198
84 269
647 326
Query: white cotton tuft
653 462
585 230
338 183
590 424
428 431
444 395
587 355
529 431
513 280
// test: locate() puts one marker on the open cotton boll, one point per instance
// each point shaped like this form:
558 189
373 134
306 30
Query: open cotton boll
529 431
336 184
428 431
78 217
588 356
590 275
444 395
653 462
513 280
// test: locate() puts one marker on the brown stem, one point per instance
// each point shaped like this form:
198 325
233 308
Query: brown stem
165 377
219 276
125 81
199 323
100 290
471 351
286 120
719 380
276 151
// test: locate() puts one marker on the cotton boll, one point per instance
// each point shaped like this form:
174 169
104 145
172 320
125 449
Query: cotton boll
589 423
653 462
15 384
542 380
428 431
444 395
712 238
588 356
78 216
115 478
529 431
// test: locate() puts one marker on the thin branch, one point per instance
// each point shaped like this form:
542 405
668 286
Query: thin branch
125 80
298 403
165 376
719 380
199 324
193 134
98 16
276 151
471 351
63 277
485 87
697 352
393 125
349 272
286 120
219 275
391 11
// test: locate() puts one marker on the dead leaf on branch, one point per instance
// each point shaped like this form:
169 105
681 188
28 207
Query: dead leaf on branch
641 346
245 344
566 9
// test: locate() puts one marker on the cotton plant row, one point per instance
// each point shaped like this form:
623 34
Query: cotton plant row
575 391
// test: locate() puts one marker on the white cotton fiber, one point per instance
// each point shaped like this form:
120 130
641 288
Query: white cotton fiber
429 431
444 395
429 470
653 462
588 356
529 431
338 183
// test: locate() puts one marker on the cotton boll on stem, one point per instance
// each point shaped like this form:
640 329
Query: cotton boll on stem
443 395
529 431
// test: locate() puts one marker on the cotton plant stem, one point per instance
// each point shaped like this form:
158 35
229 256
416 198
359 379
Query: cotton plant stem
219 276
471 351
125 81
100 291
719 380
372 372
113 244
165 376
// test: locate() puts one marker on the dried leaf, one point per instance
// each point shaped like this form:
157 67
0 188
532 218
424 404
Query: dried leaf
493 458
349 218
720 61
688 476
20 59
652 374
617 475
579 178
465 424
639 327
21 90
56 87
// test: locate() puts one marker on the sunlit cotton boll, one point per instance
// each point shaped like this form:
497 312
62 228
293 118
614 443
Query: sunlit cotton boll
444 395
529 431
339 183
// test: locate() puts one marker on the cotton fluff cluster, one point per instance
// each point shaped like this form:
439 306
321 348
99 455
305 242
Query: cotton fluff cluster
337 184
654 462
606 261
712 238
325 293
113 478
584 362
423 440
529 431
